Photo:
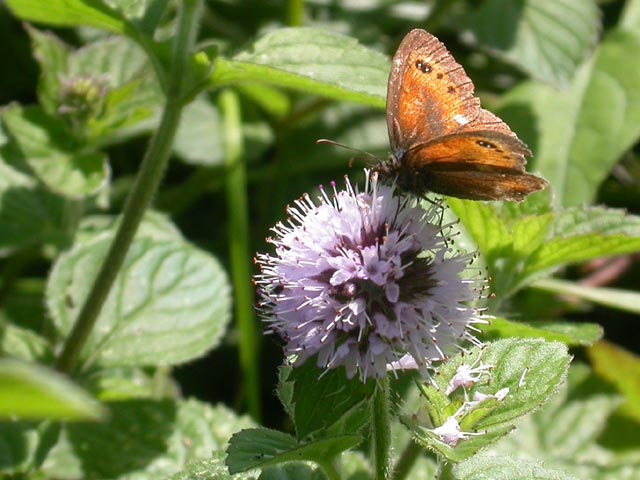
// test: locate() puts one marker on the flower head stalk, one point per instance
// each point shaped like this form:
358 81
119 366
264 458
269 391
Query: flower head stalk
366 280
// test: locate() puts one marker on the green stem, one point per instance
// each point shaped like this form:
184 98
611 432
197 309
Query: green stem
149 176
381 429
406 461
239 249
330 470
295 12
446 471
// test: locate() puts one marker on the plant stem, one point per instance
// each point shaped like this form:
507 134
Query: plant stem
240 252
406 461
149 176
295 12
381 429
446 470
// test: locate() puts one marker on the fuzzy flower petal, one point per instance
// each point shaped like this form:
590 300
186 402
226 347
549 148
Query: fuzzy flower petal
366 280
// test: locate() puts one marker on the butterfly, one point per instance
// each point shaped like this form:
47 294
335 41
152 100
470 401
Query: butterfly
442 141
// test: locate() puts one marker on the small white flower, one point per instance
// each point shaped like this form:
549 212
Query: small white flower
480 398
449 432
467 375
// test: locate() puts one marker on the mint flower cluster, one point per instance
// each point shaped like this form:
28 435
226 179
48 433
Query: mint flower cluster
366 280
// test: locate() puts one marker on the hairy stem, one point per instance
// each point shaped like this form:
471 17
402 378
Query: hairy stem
149 176
381 429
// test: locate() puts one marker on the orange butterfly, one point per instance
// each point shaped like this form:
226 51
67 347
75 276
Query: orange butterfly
442 141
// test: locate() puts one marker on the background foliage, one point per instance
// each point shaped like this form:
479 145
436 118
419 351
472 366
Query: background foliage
175 360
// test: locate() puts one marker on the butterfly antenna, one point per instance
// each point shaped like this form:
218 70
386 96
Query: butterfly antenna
325 141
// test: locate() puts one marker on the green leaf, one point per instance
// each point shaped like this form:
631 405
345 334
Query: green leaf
291 471
547 39
28 391
23 344
310 60
198 139
579 134
325 399
564 433
630 16
483 467
531 370
261 447
585 234
572 334
132 95
29 214
521 248
72 13
24 446
46 146
52 56
611 297
154 225
170 302
211 469
622 368
144 438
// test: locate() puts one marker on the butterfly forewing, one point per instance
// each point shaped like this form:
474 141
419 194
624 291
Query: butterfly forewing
438 129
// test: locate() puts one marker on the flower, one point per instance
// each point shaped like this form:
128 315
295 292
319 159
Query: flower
467 375
366 280
450 433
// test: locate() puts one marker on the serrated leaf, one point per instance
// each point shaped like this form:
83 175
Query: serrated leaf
622 368
211 469
324 399
72 13
47 147
311 60
483 467
257 447
52 56
579 134
611 297
584 234
531 370
144 439
170 302
29 391
545 242
261 447
572 334
548 39
564 432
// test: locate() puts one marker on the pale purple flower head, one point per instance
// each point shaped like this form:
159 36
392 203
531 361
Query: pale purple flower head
367 280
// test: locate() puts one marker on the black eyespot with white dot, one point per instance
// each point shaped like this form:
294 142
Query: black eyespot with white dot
484 144
423 66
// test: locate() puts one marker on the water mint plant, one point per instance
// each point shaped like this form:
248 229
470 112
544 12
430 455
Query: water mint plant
147 148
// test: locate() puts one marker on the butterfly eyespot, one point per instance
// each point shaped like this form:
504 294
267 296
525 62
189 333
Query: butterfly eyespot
484 144
423 66
451 89
439 75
